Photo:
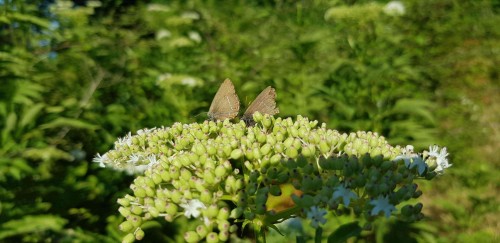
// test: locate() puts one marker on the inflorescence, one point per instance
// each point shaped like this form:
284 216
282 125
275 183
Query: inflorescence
221 174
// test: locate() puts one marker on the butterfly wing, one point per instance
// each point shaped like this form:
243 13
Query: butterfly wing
265 103
225 104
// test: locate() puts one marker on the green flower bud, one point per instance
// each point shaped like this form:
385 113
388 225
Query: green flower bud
176 196
279 148
224 235
265 149
270 139
136 209
165 175
191 236
223 213
279 136
309 151
323 147
160 205
140 192
149 191
212 237
220 171
171 209
226 150
156 177
129 238
201 230
139 234
135 220
256 154
126 226
124 202
275 159
236 154
292 152
211 211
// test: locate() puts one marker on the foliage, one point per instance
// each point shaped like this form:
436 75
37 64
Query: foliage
75 77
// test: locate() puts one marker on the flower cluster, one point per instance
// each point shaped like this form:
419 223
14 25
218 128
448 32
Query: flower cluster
221 174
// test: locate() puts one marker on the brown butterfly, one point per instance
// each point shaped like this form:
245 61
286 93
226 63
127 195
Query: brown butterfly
265 103
226 104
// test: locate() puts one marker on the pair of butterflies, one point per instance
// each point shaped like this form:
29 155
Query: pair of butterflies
226 104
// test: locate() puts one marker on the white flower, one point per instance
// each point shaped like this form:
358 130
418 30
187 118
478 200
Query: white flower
134 158
345 194
440 156
100 159
394 8
195 36
157 7
163 33
419 163
190 15
411 159
317 216
189 81
192 208
152 160
382 204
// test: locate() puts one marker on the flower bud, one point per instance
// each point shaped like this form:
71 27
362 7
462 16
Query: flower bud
171 208
191 236
212 237
139 234
124 202
201 230
224 235
129 238
136 209
126 226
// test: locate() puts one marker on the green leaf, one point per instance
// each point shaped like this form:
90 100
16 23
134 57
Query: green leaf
30 114
31 224
30 19
345 232
69 122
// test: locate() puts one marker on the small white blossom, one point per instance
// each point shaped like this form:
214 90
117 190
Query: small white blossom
134 158
411 159
394 8
163 33
100 159
440 156
345 194
192 208
195 36
189 82
317 216
152 160
382 204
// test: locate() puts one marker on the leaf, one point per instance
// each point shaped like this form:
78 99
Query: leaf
30 19
345 232
31 224
69 122
30 114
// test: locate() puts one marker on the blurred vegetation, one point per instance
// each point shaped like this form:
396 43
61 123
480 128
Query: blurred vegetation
75 75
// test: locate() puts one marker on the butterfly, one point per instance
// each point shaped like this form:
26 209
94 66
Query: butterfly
265 103
226 104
